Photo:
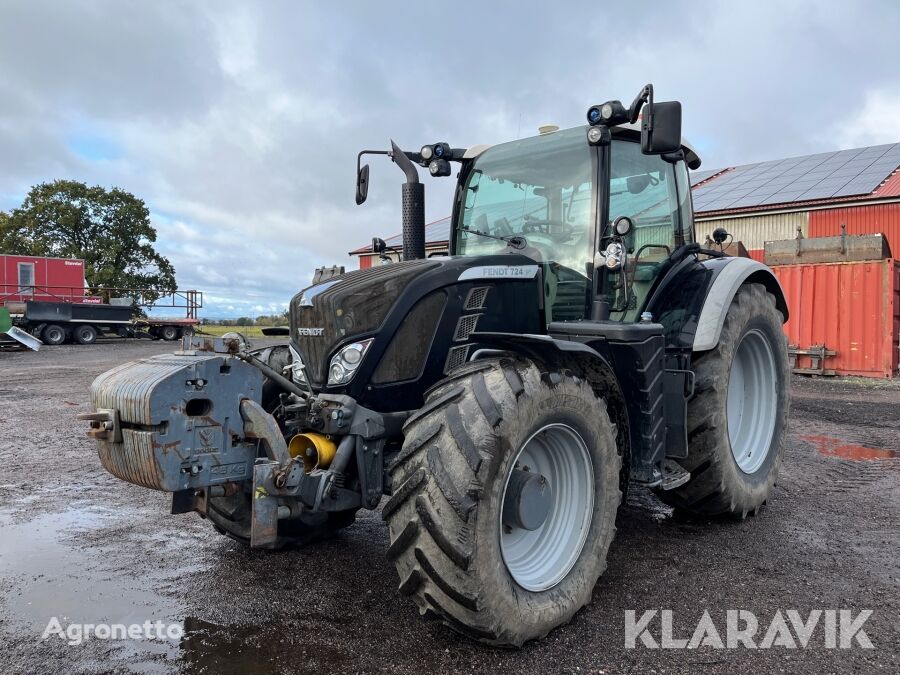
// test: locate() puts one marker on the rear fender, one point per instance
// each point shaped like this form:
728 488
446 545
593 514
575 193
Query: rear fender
734 273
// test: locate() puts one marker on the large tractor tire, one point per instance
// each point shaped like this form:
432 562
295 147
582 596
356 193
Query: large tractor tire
230 515
504 501
737 418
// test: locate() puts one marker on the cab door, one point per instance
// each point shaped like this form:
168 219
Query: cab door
655 194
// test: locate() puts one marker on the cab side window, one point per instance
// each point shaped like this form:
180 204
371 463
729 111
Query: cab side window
643 187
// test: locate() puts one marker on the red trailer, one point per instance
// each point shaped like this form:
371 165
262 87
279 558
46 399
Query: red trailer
46 297
25 277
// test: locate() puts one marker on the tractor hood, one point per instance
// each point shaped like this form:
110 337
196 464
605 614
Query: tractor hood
351 305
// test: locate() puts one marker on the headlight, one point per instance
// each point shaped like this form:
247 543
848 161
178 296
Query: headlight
298 370
614 253
346 361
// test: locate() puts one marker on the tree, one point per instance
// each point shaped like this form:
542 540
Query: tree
109 229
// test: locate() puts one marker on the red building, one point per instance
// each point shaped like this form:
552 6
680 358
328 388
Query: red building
24 277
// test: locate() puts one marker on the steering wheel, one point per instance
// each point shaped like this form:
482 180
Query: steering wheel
502 228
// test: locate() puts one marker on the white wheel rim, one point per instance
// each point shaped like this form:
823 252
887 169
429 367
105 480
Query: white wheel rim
752 401
539 559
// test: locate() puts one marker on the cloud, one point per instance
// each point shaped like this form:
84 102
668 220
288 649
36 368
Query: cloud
878 122
239 123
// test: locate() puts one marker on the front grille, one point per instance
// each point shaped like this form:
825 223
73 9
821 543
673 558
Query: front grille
465 327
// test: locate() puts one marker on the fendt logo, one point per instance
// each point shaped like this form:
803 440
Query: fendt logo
312 332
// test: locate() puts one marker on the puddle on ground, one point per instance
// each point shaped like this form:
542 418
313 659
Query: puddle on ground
835 447
44 577
51 566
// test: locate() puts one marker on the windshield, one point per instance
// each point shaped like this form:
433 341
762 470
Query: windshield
535 196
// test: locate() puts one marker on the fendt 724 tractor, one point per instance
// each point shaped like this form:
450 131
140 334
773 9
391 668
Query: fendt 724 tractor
502 398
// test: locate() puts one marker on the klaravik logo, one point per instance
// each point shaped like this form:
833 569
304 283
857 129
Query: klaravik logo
312 332
831 628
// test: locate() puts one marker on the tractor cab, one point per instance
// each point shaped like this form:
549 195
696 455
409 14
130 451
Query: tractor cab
555 198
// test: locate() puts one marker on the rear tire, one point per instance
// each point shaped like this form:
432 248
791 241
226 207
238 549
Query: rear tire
453 552
85 334
53 335
738 416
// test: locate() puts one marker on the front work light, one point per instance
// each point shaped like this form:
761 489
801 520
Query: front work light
346 361
439 167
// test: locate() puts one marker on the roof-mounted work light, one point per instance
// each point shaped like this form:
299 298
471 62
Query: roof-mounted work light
610 114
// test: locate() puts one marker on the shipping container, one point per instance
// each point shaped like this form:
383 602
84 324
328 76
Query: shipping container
859 219
851 308
24 278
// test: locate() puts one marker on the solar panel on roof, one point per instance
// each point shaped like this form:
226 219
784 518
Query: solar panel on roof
831 174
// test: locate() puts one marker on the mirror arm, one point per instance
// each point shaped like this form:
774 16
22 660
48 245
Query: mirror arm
644 96
368 152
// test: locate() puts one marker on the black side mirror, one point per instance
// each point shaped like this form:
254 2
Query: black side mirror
661 128
637 184
362 184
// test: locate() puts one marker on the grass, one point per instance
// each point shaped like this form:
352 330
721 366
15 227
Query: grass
246 331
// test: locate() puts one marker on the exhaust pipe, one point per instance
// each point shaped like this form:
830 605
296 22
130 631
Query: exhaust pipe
413 195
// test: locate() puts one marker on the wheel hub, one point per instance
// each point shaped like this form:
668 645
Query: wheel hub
529 497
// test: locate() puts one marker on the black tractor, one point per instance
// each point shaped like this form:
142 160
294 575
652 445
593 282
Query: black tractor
576 339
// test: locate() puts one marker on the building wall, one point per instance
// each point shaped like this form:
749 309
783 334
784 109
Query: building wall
754 231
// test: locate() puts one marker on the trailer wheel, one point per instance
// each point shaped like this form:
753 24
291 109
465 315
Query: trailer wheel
504 500
54 335
187 331
168 333
85 334
738 415
231 515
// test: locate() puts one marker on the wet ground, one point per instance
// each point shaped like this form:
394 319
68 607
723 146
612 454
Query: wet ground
81 546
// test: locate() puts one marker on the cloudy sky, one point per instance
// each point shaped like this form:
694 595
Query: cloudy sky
239 123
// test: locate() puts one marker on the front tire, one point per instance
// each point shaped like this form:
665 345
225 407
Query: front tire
454 550
738 416
231 515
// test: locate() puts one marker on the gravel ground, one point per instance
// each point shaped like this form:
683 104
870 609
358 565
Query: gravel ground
78 544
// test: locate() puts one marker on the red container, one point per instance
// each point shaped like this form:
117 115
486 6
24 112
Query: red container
25 278
852 308
859 219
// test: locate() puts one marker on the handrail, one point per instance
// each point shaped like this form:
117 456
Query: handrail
191 299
